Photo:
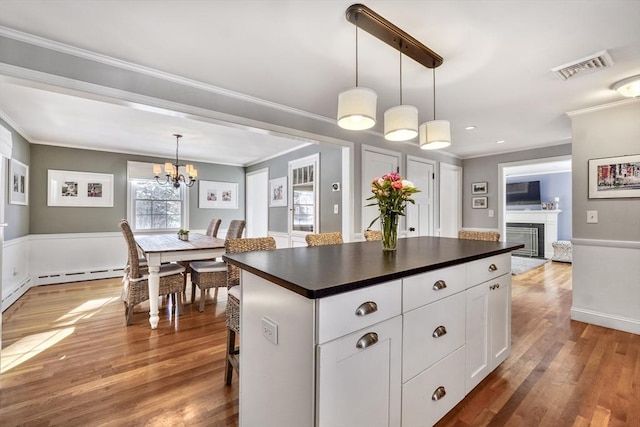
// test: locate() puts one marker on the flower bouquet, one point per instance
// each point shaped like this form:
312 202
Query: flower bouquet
391 194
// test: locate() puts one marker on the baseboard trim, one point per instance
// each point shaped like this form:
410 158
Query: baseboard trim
624 244
16 293
606 320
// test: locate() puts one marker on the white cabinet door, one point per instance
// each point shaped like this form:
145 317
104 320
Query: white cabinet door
500 319
488 328
359 380
478 365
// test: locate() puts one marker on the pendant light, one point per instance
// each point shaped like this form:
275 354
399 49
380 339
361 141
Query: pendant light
401 121
435 134
172 171
357 106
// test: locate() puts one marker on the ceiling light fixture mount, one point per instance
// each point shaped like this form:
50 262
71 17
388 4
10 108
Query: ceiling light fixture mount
172 171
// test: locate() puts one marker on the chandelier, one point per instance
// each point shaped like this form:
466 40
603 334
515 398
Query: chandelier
172 171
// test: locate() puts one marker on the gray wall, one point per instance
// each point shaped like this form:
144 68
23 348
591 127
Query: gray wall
605 133
485 169
330 172
45 219
17 216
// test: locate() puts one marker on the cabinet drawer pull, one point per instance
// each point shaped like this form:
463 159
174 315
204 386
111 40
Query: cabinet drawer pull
368 339
439 393
493 287
439 331
366 308
440 284
493 267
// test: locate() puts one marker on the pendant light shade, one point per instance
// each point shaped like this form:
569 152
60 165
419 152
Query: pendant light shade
401 123
435 134
357 108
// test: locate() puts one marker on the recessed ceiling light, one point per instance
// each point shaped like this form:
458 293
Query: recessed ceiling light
470 128
500 141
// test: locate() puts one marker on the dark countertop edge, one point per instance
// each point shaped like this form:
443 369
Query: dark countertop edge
352 286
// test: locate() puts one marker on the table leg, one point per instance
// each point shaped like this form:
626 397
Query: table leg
154 290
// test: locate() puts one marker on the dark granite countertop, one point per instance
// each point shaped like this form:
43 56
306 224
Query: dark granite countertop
316 272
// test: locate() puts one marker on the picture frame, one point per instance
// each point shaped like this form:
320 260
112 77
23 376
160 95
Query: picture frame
278 192
479 188
614 177
479 202
18 183
217 195
79 189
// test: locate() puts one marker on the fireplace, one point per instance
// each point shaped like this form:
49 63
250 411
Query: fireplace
531 235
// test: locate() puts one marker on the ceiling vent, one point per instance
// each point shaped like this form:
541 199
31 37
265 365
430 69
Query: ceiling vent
589 64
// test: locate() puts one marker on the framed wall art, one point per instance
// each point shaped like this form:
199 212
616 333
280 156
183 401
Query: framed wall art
217 195
479 188
479 202
18 183
80 189
278 192
614 177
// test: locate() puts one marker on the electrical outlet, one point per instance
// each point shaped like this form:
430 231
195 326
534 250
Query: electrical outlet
491 213
592 217
336 209
270 330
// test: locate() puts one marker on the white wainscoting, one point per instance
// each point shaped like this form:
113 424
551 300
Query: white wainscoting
606 284
60 258
16 279
282 239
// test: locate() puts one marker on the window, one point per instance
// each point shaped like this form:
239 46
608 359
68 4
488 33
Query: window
155 206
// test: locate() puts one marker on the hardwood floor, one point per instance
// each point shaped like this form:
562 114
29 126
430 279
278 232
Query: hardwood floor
68 359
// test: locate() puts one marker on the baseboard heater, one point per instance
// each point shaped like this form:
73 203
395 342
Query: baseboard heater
77 276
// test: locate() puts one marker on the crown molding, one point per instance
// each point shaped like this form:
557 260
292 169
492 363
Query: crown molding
602 107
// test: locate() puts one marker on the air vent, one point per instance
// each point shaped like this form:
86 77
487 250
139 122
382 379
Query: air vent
595 62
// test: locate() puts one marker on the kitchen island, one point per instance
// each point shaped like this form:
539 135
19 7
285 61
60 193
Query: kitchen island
351 335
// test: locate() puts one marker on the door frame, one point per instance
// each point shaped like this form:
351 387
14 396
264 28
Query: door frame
265 205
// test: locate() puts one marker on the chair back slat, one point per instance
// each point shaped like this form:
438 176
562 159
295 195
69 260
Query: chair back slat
250 244
212 228
488 236
236 228
322 239
132 249
371 235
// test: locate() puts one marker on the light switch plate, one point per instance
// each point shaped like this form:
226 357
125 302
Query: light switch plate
592 217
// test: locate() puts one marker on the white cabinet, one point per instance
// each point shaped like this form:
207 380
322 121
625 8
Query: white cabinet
359 377
488 328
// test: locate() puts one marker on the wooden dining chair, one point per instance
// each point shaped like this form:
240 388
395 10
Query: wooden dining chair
212 231
232 359
321 239
212 274
136 281
371 235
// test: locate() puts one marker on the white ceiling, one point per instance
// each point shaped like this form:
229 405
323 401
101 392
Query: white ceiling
496 74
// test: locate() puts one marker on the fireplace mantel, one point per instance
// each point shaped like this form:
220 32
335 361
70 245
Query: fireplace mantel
547 217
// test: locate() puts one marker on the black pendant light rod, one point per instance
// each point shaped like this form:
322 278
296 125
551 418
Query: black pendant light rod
356 55
365 18
178 136
434 94
401 77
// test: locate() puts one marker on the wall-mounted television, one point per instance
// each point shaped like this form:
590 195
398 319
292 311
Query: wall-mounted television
523 193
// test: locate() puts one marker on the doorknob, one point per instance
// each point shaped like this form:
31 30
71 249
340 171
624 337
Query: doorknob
412 229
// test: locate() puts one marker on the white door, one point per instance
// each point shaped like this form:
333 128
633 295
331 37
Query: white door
257 203
450 200
304 198
3 181
375 163
420 216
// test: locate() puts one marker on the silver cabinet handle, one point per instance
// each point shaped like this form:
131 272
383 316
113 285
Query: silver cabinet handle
439 331
493 267
439 393
368 339
366 308
439 285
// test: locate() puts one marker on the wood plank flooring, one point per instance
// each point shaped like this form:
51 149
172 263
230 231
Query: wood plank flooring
69 360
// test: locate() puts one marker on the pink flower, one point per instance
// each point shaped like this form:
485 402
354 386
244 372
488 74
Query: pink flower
397 185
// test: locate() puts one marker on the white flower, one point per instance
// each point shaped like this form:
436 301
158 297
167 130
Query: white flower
407 184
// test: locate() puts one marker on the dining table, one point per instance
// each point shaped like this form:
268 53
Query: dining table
162 248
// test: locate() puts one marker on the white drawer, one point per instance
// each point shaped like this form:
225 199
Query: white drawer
425 288
488 268
418 405
340 315
446 320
